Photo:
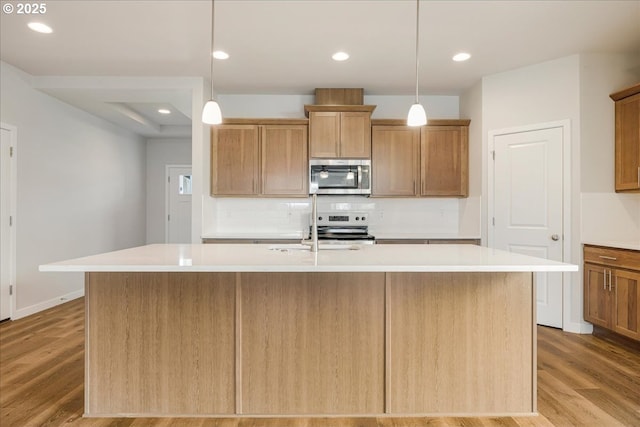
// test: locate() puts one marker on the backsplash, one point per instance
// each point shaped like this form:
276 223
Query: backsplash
610 217
240 217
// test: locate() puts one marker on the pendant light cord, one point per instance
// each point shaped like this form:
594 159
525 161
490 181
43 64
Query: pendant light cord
213 9
417 43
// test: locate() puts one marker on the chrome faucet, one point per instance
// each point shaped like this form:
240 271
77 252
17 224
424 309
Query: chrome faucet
313 242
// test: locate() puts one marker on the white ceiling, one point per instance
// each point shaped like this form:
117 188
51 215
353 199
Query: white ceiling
284 46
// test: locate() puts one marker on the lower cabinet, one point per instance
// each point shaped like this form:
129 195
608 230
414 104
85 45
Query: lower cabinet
612 289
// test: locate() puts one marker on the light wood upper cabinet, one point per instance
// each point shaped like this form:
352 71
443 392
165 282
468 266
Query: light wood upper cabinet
395 160
284 160
324 132
627 136
339 131
355 135
259 159
445 161
234 160
431 161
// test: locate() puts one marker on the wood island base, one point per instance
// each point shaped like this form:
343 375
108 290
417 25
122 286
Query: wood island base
169 344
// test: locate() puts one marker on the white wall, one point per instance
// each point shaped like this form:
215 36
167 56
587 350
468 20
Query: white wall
601 75
471 207
545 92
227 217
160 153
292 106
81 189
576 88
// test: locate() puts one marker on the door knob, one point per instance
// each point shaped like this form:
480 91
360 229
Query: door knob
555 237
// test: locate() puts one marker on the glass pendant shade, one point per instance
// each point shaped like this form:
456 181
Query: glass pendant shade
211 113
417 116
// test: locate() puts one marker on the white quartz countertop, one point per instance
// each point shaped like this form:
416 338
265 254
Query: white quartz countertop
256 236
614 244
424 236
292 258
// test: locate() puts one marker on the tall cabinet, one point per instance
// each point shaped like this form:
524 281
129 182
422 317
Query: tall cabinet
627 116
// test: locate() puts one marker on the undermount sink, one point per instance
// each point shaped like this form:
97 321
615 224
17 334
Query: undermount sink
321 246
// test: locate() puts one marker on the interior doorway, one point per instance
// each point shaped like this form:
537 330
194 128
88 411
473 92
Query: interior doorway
526 201
8 176
179 182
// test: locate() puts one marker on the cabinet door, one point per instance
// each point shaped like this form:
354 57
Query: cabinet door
284 160
626 303
234 160
395 152
597 297
445 161
324 134
628 144
355 135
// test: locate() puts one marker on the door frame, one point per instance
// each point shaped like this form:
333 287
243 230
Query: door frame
12 187
565 125
167 190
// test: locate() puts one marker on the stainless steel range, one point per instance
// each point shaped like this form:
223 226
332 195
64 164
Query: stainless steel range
344 227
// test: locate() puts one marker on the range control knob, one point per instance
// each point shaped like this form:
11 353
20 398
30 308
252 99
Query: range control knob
319 218
363 218
357 218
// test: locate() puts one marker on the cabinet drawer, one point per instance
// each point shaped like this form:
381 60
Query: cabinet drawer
622 258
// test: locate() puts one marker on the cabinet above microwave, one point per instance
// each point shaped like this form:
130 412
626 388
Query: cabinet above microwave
339 131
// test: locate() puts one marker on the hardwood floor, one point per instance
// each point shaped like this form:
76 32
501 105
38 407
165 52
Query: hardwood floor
583 380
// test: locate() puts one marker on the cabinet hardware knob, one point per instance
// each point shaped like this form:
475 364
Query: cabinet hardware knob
555 237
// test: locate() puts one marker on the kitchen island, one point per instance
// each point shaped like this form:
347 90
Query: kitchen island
263 330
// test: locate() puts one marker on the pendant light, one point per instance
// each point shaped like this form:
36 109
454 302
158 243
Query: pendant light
211 113
417 116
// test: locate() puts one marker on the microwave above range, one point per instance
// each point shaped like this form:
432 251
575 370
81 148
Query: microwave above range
340 176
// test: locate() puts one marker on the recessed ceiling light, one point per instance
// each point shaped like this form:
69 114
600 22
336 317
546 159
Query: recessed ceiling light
220 54
164 111
462 56
340 56
40 27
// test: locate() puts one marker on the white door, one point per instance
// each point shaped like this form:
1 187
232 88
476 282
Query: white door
179 189
527 207
6 254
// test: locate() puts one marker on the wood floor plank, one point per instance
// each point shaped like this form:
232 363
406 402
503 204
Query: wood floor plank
583 380
574 407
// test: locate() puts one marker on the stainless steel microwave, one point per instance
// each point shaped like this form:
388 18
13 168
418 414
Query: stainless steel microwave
340 176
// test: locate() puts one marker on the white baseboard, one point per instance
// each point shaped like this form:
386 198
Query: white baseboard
33 309
578 327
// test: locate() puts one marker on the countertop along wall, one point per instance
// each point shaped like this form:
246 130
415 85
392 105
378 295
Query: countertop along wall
284 217
80 189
